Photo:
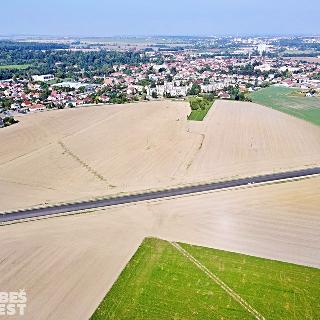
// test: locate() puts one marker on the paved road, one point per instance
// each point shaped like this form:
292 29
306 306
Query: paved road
152 195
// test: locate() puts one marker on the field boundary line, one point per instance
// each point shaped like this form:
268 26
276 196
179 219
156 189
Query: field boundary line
83 164
220 283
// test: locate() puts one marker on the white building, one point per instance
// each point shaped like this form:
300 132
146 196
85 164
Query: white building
75 85
178 91
160 66
169 88
262 47
15 106
207 88
263 67
288 68
43 78
37 107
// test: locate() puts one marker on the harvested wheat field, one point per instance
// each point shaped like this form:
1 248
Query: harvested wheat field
78 154
68 264
242 139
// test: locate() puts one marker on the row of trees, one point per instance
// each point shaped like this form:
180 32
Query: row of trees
14 45
8 121
200 103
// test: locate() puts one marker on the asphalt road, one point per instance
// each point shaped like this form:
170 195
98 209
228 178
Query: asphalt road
152 195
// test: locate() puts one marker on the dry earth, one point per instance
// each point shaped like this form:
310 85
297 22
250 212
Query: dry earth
307 59
77 154
67 264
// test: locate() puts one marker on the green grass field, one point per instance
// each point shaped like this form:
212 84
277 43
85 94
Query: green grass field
203 106
161 283
198 115
297 52
290 101
15 66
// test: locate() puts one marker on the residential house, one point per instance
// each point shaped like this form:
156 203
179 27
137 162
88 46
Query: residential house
37 107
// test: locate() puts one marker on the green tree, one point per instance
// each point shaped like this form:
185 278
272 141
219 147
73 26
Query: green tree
195 89
45 94
6 103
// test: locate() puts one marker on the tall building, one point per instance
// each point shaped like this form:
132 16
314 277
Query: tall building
262 47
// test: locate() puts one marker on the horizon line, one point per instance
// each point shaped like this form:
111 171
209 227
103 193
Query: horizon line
261 35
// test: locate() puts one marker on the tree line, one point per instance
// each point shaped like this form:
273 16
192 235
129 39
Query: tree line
61 62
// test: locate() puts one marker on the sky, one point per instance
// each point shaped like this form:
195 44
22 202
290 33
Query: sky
164 17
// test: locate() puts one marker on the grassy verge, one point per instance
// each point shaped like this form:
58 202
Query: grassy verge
199 108
15 67
161 283
290 101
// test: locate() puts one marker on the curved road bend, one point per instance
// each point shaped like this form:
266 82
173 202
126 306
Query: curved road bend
152 195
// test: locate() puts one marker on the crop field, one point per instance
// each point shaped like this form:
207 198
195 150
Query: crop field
50 157
15 66
290 101
180 281
85 254
289 53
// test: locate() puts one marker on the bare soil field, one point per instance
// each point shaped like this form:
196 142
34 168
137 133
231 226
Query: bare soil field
307 59
67 264
77 154
242 139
